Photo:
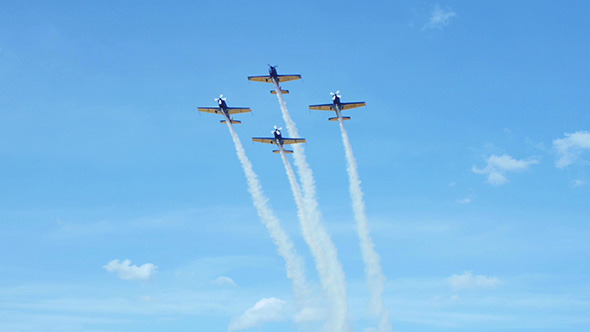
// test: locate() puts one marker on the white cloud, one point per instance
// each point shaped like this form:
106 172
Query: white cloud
266 310
469 281
465 200
497 166
126 271
576 183
224 281
571 147
439 18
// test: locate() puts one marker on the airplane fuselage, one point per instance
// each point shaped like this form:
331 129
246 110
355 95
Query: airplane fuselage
278 138
272 71
223 108
222 105
337 107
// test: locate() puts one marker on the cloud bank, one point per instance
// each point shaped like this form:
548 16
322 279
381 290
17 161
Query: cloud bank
266 310
126 271
498 166
469 281
570 148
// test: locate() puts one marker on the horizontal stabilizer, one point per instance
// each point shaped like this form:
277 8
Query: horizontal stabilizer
336 118
232 121
283 92
279 151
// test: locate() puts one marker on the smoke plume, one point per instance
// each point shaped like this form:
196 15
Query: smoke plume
323 249
375 277
293 262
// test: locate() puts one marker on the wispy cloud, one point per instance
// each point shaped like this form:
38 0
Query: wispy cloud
465 200
570 148
126 271
439 18
469 281
224 281
497 166
576 183
266 310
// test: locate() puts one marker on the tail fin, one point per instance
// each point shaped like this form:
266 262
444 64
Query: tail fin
279 151
231 121
283 92
336 118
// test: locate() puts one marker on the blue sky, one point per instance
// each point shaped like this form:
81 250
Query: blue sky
473 151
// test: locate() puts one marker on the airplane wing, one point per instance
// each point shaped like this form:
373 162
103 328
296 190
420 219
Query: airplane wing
236 110
323 107
287 78
209 110
287 141
267 140
264 79
347 106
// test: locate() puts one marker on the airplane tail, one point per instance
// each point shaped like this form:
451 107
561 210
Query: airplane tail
283 92
279 151
231 121
336 118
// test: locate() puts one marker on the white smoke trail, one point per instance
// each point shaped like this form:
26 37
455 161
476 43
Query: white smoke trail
312 237
296 189
375 277
323 249
293 262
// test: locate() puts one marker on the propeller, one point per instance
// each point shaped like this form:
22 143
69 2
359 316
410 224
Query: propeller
221 98
279 129
337 94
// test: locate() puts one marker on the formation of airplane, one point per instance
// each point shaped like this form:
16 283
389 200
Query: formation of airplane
224 110
279 140
337 106
275 78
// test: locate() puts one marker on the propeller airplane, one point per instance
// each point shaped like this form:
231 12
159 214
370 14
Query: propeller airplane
337 106
279 140
275 78
224 110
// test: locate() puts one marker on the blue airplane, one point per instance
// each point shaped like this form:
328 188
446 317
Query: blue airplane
275 78
224 110
337 106
279 140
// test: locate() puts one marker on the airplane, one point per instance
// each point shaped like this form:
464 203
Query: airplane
337 106
224 110
279 140
274 78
